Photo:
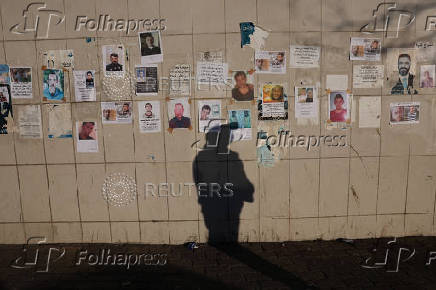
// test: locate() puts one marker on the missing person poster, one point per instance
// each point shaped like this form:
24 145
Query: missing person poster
29 121
113 60
304 56
306 102
5 108
21 82
179 113
147 83
59 59
270 62
116 112
339 106
53 85
87 141
427 76
404 113
149 116
240 125
59 121
84 85
150 46
368 76
209 115
243 85
180 80
365 49
274 103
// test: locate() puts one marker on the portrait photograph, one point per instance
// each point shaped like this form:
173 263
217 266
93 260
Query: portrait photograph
150 47
53 85
87 141
339 106
113 60
179 115
404 113
243 85
401 71
427 76
149 116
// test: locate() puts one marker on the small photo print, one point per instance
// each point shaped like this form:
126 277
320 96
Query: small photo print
339 106
21 82
151 47
146 80
116 112
149 116
240 125
4 74
365 49
5 108
404 113
306 102
209 115
113 60
84 87
53 85
87 136
270 62
427 76
179 114
243 85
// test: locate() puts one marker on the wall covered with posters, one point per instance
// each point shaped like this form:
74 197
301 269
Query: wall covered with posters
165 121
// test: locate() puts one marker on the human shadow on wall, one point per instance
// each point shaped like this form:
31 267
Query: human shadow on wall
223 188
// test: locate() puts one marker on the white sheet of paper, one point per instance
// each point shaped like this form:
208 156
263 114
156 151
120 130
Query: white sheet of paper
337 82
369 112
29 121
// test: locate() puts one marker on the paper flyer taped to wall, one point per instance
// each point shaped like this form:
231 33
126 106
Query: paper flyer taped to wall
369 112
59 121
84 85
116 112
180 80
368 76
149 116
87 140
304 56
59 59
21 82
147 83
29 121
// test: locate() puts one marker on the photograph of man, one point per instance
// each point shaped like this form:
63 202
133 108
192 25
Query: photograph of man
148 45
89 80
124 111
179 121
242 91
427 80
278 59
53 84
21 75
339 112
87 131
114 65
412 113
148 111
374 47
397 114
405 80
205 111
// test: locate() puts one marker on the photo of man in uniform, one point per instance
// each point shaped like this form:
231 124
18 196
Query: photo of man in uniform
405 81
179 121
114 65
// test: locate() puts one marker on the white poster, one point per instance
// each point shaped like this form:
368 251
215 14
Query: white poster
87 136
304 56
337 82
180 80
306 102
84 85
116 112
369 112
113 60
149 116
209 115
211 73
270 62
59 121
368 76
29 121
21 82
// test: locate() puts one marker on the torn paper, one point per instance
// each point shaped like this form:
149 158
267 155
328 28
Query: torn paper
252 36
59 59
59 121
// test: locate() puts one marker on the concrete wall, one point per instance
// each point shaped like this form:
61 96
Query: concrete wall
384 184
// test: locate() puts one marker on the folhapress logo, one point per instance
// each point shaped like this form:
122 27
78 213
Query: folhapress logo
38 20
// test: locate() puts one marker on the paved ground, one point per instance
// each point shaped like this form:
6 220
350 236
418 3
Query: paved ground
358 264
